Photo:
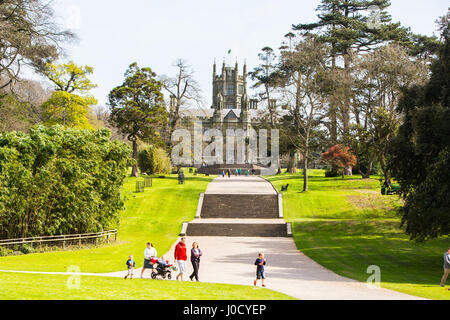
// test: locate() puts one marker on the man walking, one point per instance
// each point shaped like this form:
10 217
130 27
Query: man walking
446 267
181 257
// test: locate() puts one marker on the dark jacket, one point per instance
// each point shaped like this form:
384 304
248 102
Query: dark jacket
196 257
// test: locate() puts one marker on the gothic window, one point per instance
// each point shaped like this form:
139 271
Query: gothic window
241 89
230 89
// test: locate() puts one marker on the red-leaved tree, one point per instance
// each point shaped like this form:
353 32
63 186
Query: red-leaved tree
340 157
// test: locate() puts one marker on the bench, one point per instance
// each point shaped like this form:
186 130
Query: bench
284 188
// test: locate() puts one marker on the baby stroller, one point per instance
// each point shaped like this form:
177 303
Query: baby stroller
163 269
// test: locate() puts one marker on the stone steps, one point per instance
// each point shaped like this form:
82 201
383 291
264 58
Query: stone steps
237 229
240 206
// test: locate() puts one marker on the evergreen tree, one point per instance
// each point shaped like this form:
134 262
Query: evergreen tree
138 109
420 154
344 26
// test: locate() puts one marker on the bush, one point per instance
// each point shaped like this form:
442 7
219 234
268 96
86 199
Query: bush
154 160
60 181
5 251
332 173
26 249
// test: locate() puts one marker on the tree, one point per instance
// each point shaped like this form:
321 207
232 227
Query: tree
67 109
183 90
264 76
420 153
58 180
70 77
379 77
303 69
20 105
340 157
29 37
70 102
345 28
154 159
137 108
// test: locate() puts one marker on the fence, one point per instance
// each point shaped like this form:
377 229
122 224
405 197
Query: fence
62 240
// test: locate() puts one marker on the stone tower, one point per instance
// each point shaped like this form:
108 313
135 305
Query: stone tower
229 86
229 96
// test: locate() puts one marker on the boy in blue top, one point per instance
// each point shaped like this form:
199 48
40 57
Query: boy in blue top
130 266
260 263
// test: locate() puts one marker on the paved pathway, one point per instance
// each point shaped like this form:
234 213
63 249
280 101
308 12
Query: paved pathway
240 185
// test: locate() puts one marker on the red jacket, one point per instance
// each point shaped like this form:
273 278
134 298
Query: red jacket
180 251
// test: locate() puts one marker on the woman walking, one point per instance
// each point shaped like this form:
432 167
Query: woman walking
196 253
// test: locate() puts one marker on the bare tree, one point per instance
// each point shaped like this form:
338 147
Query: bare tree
184 92
303 68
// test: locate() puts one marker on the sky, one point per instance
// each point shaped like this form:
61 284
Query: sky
115 33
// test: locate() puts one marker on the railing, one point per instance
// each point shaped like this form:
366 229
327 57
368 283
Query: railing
64 239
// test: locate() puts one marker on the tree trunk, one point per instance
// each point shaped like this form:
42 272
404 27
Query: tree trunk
305 172
135 171
292 163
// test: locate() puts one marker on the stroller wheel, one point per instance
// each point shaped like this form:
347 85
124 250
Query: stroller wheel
169 276
154 275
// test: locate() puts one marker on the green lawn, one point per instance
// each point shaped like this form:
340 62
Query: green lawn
49 287
155 215
346 226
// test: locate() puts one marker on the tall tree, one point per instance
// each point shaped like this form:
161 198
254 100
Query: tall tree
380 76
69 104
303 69
29 37
183 90
344 26
137 108
420 153
265 75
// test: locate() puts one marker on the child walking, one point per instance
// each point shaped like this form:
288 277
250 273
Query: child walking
130 266
260 263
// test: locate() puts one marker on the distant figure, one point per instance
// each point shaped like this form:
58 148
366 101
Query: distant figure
236 172
239 171
131 264
149 253
229 173
260 263
223 173
246 172
196 253
446 267
181 257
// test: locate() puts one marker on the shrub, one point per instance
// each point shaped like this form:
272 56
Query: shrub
5 251
60 181
26 249
154 160
331 173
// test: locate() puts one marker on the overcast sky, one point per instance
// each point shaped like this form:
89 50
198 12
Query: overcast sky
115 33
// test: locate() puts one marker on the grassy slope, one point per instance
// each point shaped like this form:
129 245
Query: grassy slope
155 215
346 225
52 287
